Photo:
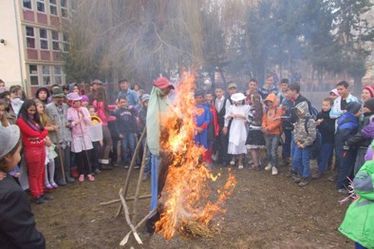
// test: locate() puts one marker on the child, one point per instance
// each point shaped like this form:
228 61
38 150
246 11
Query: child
50 147
238 113
255 139
272 129
347 126
126 127
202 120
96 134
304 135
358 222
3 118
326 127
81 144
213 127
33 139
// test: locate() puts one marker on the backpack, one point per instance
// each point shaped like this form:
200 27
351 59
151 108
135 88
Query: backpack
313 111
315 147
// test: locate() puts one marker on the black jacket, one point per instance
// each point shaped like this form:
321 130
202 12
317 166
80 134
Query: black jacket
17 224
326 128
126 120
358 139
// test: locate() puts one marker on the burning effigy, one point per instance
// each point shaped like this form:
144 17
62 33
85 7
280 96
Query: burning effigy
188 203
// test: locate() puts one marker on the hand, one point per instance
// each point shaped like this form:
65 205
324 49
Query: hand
199 129
224 131
120 136
319 121
2 175
101 143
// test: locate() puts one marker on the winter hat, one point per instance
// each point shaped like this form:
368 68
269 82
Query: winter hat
370 89
73 96
162 83
145 97
9 137
353 107
84 98
237 97
334 91
57 92
232 85
369 104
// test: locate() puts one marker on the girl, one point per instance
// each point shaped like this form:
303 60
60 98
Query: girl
255 139
50 147
102 111
33 139
3 119
81 145
42 94
238 113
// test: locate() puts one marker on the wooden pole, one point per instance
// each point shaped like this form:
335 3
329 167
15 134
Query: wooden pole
134 208
140 197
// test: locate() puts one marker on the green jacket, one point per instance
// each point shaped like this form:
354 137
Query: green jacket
157 105
358 224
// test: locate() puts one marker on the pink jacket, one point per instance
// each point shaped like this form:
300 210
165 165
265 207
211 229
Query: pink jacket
79 120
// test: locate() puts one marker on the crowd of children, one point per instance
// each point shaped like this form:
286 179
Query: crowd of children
70 134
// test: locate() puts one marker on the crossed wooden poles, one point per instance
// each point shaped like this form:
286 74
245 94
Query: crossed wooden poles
123 196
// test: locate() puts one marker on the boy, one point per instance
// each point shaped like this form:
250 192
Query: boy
213 127
304 135
96 133
326 127
126 126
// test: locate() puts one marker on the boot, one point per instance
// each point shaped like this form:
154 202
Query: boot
105 164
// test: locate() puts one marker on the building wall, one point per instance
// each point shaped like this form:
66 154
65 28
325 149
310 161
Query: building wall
11 56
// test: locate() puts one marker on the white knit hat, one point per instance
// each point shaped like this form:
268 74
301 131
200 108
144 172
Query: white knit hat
9 137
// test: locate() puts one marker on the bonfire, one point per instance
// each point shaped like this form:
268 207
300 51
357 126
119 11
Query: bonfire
188 203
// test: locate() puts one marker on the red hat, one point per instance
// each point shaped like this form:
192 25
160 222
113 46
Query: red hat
370 89
162 83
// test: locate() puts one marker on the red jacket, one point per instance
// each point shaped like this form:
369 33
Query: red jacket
31 137
214 120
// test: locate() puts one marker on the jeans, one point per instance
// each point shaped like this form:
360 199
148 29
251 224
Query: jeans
128 146
293 147
345 167
324 157
359 246
155 165
272 142
286 146
301 161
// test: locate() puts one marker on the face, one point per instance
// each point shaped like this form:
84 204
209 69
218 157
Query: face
124 85
209 97
95 87
85 103
269 81
42 95
31 110
145 103
269 104
252 86
40 108
92 111
292 94
2 84
333 95
199 99
219 93
166 91
76 104
123 103
12 160
342 91
365 95
326 106
136 87
59 100
232 90
283 87
76 89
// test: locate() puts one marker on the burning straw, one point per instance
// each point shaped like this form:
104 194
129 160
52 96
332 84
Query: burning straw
185 199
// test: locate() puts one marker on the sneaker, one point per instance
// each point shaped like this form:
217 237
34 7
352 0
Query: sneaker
343 191
47 197
332 178
81 178
305 181
274 171
48 186
296 178
240 166
54 185
97 171
232 163
91 178
39 200
268 167
316 176
69 179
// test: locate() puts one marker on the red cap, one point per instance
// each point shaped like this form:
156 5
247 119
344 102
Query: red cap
162 83
370 89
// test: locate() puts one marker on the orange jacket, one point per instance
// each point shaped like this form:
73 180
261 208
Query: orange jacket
272 118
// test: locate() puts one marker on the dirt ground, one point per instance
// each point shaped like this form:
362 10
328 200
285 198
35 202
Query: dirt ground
264 212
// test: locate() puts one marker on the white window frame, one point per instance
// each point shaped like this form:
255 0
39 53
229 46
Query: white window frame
53 5
33 74
44 4
57 75
54 41
31 4
64 9
48 74
65 42
43 38
30 37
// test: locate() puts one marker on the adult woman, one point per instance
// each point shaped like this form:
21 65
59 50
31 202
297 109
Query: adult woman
367 93
17 224
33 139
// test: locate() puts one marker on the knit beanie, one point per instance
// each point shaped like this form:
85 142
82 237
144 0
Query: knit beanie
370 89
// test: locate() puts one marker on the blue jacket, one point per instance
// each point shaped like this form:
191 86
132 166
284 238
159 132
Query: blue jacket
131 96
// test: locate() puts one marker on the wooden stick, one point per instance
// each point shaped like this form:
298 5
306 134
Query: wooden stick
140 197
140 178
149 215
127 216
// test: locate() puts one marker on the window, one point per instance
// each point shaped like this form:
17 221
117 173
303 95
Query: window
40 5
30 37
43 38
27 4
64 9
65 41
58 74
55 41
46 75
53 7
33 72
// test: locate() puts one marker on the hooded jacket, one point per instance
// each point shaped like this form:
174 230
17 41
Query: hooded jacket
272 118
304 136
347 123
358 222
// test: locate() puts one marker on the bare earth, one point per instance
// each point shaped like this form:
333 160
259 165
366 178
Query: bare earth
263 212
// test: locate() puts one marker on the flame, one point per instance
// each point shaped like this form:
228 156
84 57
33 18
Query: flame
186 193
